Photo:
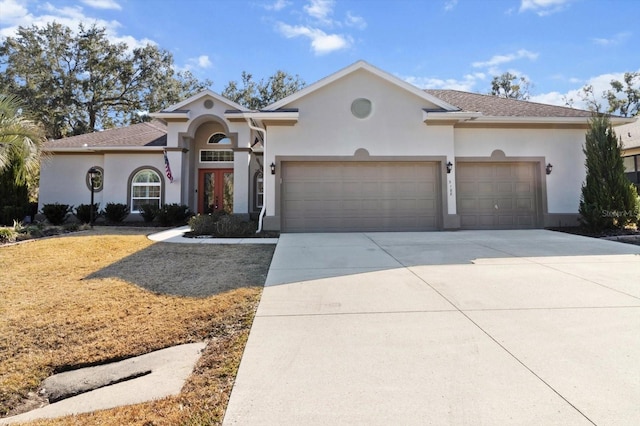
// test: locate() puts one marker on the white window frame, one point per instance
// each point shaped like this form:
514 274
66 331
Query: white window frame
259 194
135 184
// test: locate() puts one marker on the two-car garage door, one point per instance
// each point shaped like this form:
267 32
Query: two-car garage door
360 196
332 196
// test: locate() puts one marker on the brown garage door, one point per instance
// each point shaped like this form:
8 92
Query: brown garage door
359 196
498 195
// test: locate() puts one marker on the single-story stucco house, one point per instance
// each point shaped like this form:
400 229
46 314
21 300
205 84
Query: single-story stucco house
630 137
360 150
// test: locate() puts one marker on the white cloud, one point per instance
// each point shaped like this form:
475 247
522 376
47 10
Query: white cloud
320 9
467 83
12 11
70 16
450 4
355 21
103 4
612 41
321 42
204 62
503 59
600 84
277 5
543 7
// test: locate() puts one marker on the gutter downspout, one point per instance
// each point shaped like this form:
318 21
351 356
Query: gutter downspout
264 172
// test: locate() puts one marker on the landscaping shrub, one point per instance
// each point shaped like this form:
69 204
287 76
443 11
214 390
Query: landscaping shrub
115 212
56 213
83 212
234 226
205 224
221 224
173 214
148 212
8 235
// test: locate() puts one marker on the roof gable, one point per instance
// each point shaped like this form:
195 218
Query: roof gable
361 65
205 93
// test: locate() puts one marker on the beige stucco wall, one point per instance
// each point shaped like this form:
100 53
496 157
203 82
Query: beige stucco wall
63 179
326 126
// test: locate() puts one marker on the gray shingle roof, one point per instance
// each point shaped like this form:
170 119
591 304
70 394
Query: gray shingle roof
494 106
153 133
630 134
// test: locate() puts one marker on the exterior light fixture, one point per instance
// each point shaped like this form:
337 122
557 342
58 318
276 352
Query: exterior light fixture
93 173
449 167
273 168
549 168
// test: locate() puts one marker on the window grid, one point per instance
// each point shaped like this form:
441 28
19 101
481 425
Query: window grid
216 156
145 189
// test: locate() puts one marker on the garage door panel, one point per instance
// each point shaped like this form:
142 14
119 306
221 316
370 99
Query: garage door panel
372 196
498 195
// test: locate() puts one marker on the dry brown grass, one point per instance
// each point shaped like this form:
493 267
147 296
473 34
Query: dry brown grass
64 304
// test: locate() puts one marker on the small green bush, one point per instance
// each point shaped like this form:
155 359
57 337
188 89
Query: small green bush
148 212
8 235
56 213
83 212
173 214
221 224
234 226
115 212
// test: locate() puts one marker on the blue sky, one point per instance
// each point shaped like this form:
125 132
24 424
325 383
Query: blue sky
559 45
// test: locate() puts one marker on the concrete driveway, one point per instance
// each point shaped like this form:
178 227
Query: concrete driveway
467 328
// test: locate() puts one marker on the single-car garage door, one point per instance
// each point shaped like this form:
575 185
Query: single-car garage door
498 195
359 196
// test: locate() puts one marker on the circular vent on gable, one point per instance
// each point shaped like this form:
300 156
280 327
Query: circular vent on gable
361 108
208 104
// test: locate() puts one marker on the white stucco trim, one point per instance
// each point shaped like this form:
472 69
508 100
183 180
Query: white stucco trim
264 115
449 115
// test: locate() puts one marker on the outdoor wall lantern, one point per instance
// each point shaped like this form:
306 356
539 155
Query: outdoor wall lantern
449 167
549 168
273 168
93 173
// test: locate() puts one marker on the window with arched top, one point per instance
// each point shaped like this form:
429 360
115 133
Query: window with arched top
146 188
222 152
219 138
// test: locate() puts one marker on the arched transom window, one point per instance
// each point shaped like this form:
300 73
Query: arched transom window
222 152
145 189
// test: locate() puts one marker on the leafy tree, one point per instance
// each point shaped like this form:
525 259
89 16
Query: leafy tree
608 199
629 105
76 83
510 86
258 95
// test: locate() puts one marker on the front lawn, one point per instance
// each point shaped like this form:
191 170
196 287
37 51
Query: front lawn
91 297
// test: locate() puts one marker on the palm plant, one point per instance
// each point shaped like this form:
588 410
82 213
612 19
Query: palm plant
21 140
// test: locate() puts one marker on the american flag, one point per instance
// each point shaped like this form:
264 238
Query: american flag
167 167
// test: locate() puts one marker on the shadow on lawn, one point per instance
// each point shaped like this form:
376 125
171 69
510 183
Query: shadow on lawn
192 270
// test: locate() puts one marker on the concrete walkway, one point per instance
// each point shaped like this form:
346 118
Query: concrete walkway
157 375
464 328
176 235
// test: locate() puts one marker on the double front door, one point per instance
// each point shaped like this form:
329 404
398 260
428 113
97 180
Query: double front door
215 190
